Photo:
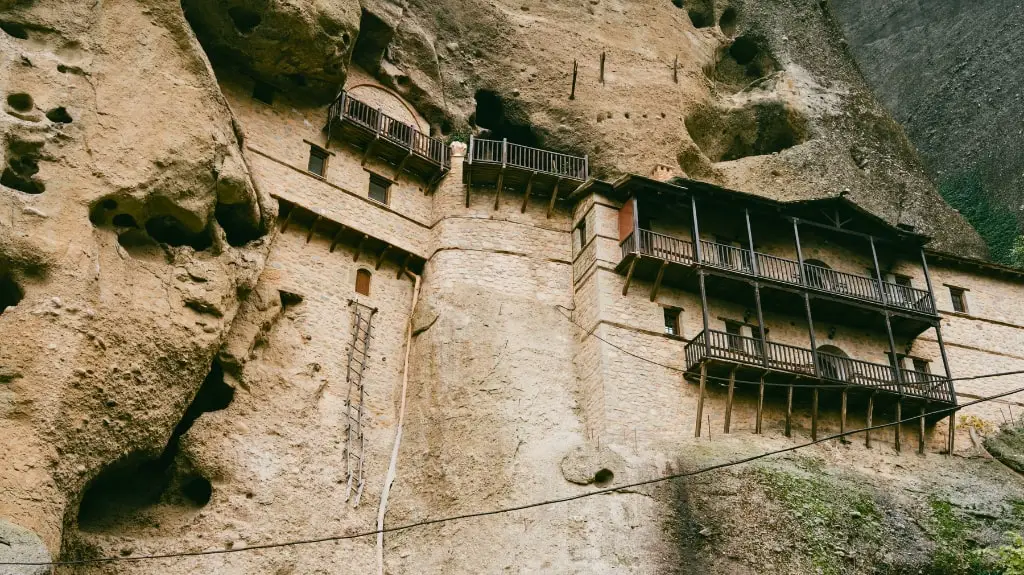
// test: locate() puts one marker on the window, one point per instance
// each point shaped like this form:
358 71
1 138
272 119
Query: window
672 321
317 161
903 281
379 188
959 297
922 365
363 281
734 335
581 231
263 92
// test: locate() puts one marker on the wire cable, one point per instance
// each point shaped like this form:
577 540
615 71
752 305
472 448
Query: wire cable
504 510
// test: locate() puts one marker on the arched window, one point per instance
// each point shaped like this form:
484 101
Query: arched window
363 281
835 363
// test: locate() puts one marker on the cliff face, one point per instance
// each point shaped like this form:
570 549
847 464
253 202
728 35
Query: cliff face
133 232
947 72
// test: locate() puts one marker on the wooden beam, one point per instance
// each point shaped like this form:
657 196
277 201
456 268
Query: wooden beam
789 411
405 265
920 434
401 166
288 218
899 426
728 401
469 183
312 228
760 405
814 415
554 196
359 248
337 237
871 411
498 187
952 434
657 281
842 417
629 275
700 398
380 257
529 188
369 149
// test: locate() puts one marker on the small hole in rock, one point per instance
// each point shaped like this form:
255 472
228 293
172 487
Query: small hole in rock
603 477
59 115
198 491
124 221
503 120
10 292
109 204
244 19
289 299
727 23
22 166
15 30
21 102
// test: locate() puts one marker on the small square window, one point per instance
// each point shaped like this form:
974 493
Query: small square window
379 188
959 297
903 281
922 365
263 92
317 161
734 331
672 321
581 233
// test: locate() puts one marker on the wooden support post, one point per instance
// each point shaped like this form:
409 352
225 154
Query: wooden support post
288 218
336 238
602 68
554 196
380 257
657 280
401 166
899 426
920 431
312 228
789 411
629 274
842 416
405 266
499 187
575 69
376 137
700 398
871 411
728 401
675 70
760 405
814 416
469 168
529 189
952 434
359 247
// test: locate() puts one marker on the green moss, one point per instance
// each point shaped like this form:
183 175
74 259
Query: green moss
955 554
996 224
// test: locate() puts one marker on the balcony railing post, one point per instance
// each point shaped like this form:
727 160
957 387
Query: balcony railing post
750 239
878 272
695 230
897 368
504 152
586 167
799 251
928 282
380 120
470 154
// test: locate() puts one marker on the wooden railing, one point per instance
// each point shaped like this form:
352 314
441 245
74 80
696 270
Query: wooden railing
503 153
739 260
713 344
348 108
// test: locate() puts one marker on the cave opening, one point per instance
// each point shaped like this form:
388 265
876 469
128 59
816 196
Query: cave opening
167 229
14 30
499 120
727 22
59 115
244 19
10 292
22 166
701 13
239 223
754 130
372 42
126 491
746 60
20 101
124 221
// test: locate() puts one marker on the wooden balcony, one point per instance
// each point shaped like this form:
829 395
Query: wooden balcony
381 136
507 166
737 351
658 249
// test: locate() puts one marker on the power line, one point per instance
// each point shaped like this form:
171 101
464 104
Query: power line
543 503
590 333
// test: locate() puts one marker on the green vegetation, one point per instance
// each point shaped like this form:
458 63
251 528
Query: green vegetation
953 552
996 225
1010 557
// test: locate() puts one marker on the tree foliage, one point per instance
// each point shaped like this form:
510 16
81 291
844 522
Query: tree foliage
996 225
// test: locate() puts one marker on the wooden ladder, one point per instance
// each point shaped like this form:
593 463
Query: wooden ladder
362 318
